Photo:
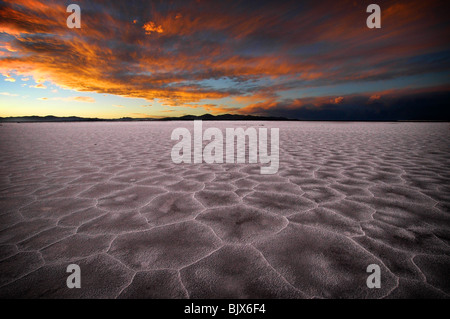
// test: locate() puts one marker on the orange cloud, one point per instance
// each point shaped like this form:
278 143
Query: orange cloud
38 86
338 100
150 27
218 109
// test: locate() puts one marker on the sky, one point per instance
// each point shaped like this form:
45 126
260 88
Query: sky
312 60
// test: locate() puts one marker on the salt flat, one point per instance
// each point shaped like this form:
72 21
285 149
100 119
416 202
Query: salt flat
107 196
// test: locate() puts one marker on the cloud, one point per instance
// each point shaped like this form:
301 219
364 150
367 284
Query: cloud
150 27
7 47
38 86
338 100
218 109
8 94
120 106
374 98
247 53
10 80
83 99
412 104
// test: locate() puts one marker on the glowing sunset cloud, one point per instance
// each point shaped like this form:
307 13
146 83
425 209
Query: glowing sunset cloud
293 58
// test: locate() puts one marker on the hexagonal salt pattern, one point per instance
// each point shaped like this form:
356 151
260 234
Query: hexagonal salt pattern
107 196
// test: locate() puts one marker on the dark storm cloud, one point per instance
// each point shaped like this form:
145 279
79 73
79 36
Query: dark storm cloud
405 105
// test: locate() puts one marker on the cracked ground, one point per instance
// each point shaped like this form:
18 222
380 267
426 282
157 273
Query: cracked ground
107 196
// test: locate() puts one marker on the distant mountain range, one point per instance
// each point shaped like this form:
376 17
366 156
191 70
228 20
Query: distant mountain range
204 117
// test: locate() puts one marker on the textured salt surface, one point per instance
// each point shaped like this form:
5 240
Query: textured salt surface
107 197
